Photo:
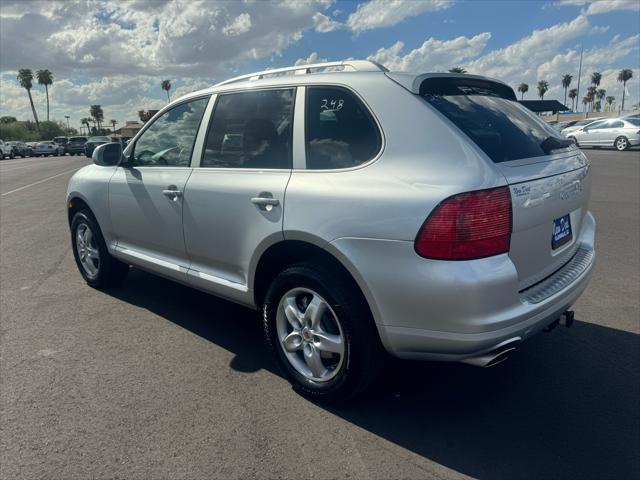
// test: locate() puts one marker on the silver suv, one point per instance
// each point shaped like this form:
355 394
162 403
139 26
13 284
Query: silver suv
430 216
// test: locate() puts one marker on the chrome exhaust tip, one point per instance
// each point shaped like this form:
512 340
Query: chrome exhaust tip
498 355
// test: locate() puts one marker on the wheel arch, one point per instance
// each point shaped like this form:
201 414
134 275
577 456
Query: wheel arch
287 252
75 204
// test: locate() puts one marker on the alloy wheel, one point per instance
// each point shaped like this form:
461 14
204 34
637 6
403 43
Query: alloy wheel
621 144
310 334
87 249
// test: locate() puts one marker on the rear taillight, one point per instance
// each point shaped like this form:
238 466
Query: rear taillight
467 226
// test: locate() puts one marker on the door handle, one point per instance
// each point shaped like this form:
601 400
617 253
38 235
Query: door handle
265 201
172 192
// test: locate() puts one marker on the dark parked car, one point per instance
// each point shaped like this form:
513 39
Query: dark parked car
75 145
93 142
20 149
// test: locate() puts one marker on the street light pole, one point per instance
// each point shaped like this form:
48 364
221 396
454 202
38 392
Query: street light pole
68 128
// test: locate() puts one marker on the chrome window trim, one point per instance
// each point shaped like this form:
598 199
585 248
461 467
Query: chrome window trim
299 151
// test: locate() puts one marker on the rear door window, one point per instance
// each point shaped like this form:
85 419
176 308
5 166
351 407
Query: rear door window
340 132
251 130
491 117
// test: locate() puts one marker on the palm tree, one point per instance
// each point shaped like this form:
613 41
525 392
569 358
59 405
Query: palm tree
543 86
457 70
595 78
566 81
25 77
624 76
166 86
523 88
585 102
113 124
573 93
591 94
85 121
609 100
142 115
600 94
45 77
597 106
98 115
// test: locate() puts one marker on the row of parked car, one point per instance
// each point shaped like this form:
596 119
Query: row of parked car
56 147
621 133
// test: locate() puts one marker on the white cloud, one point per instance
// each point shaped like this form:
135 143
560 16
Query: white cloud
324 24
612 5
386 13
179 38
312 58
520 59
596 7
241 24
433 55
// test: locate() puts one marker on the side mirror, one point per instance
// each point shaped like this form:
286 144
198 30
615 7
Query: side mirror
107 155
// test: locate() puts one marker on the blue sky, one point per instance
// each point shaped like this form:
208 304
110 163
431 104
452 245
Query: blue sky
116 53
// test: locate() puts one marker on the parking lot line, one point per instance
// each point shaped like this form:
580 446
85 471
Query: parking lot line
39 182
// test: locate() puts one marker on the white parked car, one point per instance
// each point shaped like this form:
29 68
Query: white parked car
613 132
6 150
578 125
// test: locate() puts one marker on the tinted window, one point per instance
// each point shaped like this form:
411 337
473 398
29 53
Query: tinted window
169 139
251 130
634 121
502 128
597 125
340 132
78 139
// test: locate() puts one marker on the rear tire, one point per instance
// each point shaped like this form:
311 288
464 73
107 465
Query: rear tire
348 366
621 144
98 268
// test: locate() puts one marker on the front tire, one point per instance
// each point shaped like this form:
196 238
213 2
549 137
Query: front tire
621 144
98 268
321 333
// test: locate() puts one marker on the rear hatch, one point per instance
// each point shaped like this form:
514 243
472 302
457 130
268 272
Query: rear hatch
549 178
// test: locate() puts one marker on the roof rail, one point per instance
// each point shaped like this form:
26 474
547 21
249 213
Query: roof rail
352 65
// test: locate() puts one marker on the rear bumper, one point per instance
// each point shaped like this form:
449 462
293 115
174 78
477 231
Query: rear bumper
437 310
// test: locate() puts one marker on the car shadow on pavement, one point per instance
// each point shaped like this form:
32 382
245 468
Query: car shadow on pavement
565 405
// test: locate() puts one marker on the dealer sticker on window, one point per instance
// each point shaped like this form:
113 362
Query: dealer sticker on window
561 231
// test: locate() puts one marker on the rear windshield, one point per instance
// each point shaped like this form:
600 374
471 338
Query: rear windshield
78 139
634 121
99 139
501 127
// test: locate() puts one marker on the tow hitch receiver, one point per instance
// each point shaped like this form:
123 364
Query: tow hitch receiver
566 318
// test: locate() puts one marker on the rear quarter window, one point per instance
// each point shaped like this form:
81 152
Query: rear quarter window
340 131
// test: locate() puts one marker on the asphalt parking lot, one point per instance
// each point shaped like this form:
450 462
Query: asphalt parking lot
155 380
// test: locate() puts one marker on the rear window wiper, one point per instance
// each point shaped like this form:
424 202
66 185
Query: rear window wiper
554 143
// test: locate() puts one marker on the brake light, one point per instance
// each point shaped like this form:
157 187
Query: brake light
467 226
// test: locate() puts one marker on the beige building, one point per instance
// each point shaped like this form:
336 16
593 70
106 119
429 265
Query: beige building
131 127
